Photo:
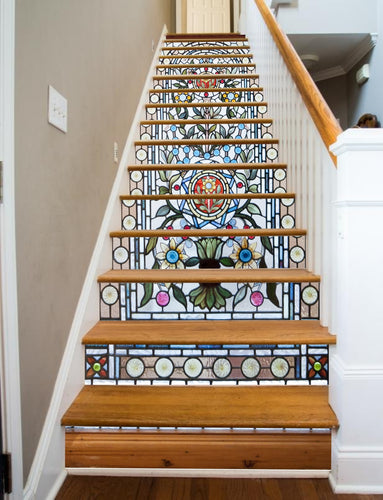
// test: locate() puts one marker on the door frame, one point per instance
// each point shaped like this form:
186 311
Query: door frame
181 15
9 345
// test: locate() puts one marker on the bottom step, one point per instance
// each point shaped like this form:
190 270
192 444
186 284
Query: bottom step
198 449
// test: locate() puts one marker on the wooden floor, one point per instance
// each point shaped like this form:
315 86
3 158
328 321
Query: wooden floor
124 488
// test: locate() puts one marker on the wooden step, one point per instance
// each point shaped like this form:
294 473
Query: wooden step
202 233
208 90
200 142
220 76
236 104
210 65
208 276
225 196
217 332
198 450
207 406
204 166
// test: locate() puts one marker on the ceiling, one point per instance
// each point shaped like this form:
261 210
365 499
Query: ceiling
337 53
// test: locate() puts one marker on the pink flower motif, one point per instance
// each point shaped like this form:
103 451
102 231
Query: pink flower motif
256 299
177 187
240 185
169 228
162 299
246 226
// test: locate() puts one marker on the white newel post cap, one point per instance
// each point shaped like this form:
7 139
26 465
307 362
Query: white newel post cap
360 164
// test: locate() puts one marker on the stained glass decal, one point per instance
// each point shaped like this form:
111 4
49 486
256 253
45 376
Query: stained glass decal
196 364
206 160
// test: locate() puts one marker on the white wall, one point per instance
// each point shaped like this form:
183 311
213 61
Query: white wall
329 16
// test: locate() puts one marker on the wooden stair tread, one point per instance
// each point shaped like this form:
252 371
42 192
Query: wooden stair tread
204 166
185 36
224 196
206 56
192 406
215 332
221 76
158 233
208 142
222 275
236 104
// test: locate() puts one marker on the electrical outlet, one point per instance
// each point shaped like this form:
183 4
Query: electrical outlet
57 109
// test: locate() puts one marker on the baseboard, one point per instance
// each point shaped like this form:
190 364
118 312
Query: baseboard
216 473
357 470
48 465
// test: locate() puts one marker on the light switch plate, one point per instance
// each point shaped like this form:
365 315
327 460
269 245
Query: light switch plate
57 109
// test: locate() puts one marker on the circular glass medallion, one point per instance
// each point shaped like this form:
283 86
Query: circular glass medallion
279 174
250 367
279 367
135 367
136 176
193 367
287 222
310 295
164 367
208 183
141 155
109 295
222 367
120 255
129 222
297 254
271 153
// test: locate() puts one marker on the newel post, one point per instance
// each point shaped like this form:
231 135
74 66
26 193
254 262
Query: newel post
356 374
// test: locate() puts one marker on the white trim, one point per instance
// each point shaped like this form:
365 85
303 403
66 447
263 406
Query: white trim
355 372
352 489
57 485
11 411
219 473
48 463
326 74
358 139
359 203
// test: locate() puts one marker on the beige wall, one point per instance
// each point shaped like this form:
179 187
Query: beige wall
97 54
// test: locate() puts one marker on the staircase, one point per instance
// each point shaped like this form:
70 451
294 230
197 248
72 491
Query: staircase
209 352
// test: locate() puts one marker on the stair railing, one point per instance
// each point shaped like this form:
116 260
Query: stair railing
306 128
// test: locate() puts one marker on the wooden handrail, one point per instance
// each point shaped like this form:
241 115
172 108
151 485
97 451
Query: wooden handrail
326 123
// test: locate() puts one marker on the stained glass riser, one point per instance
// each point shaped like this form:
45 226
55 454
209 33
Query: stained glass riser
215 80
170 131
214 51
198 58
147 252
207 213
206 364
293 301
218 43
179 112
204 95
208 68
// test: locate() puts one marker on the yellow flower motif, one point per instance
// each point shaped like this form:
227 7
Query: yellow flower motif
172 255
245 255
208 184
183 97
230 96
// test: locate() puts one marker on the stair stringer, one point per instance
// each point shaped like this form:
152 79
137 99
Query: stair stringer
48 469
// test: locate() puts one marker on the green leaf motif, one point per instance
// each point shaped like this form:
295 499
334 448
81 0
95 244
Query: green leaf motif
265 240
162 211
151 245
253 209
148 288
164 190
240 295
179 295
227 262
193 261
210 299
253 188
162 175
271 290
224 292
